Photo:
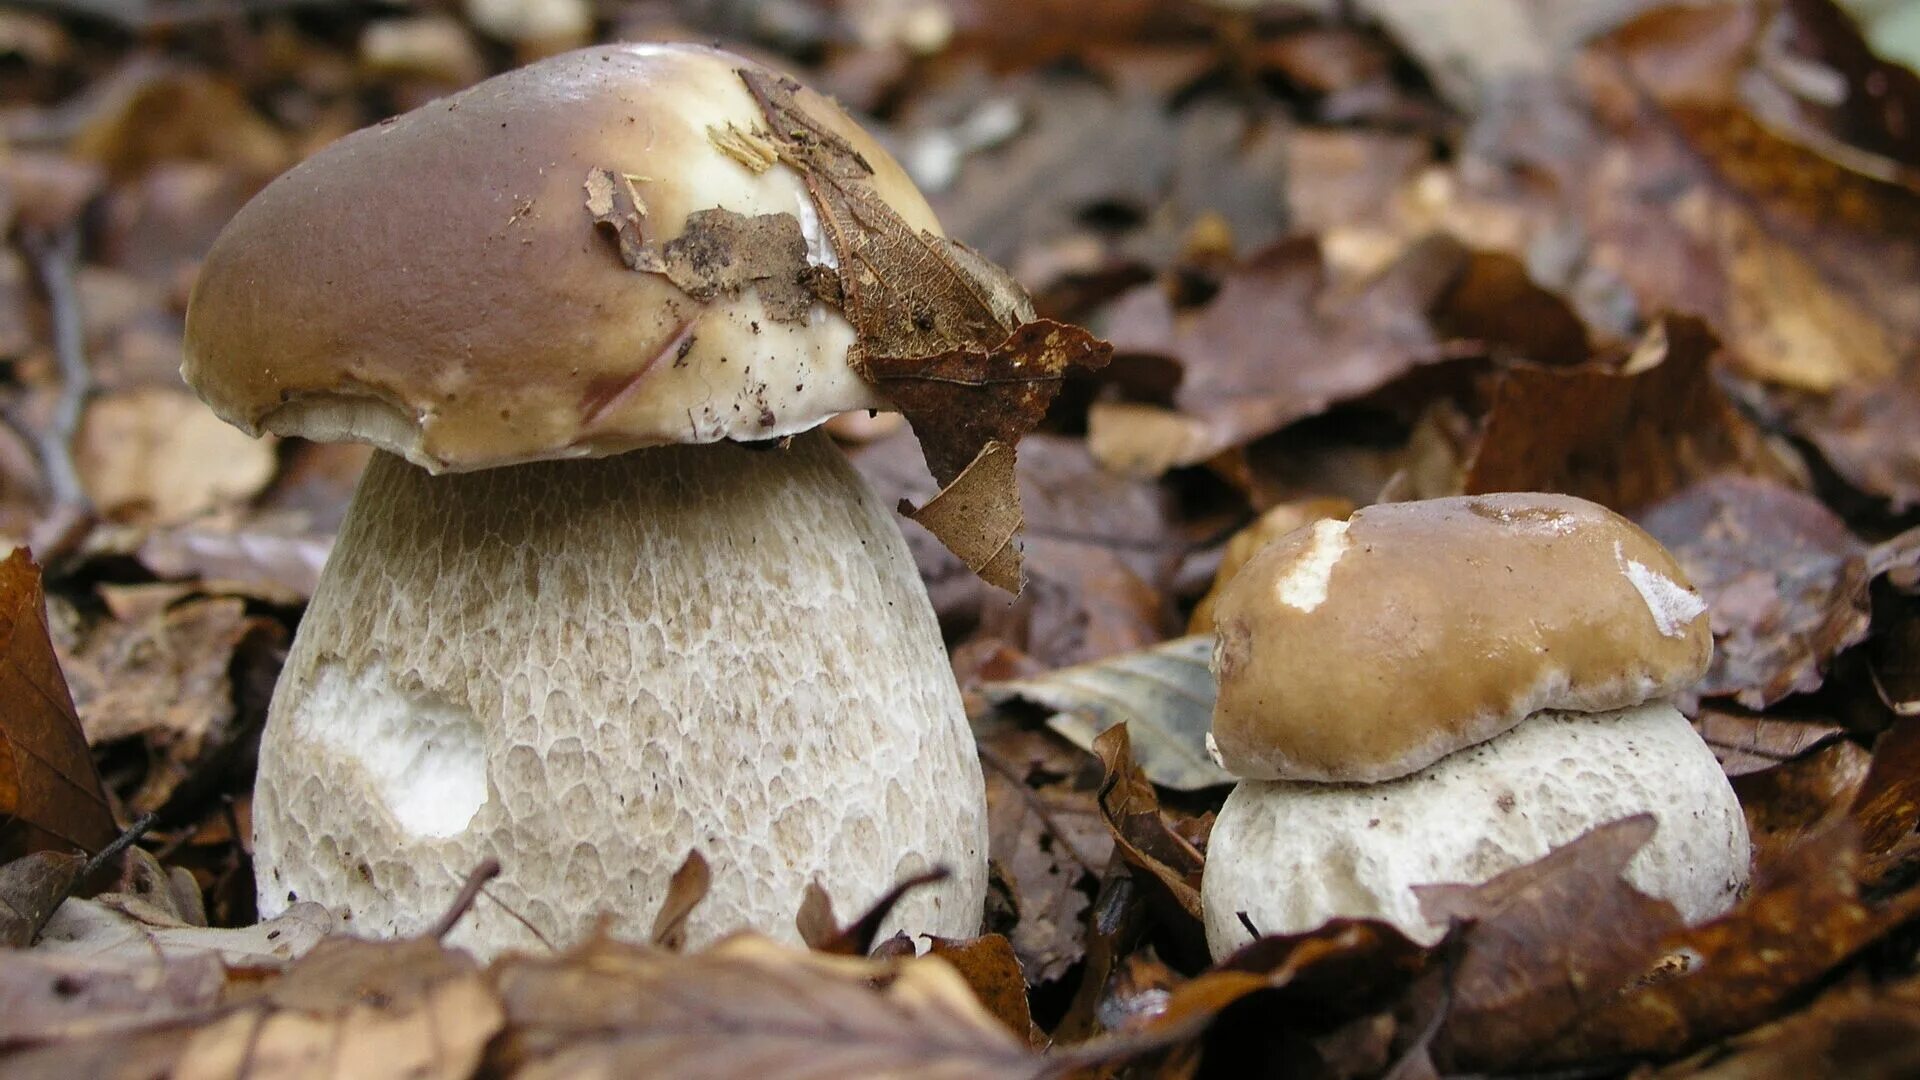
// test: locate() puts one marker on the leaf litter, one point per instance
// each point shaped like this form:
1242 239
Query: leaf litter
1670 270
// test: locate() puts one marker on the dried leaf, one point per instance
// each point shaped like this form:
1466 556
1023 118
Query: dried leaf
1046 837
935 323
992 971
165 679
109 926
746 1007
1785 582
685 890
1858 1030
31 887
1623 438
1274 346
1164 695
1888 805
51 996
254 560
1165 863
1549 942
1798 923
1745 743
160 455
973 517
1790 802
47 779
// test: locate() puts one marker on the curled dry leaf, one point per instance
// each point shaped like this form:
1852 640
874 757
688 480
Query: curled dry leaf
972 517
685 890
950 337
1622 437
1888 805
746 1007
1166 864
1785 582
992 971
1163 695
50 794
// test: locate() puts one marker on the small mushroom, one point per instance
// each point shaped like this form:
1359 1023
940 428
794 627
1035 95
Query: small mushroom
1440 691
571 622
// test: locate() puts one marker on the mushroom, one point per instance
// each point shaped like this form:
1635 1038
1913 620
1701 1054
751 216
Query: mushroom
602 596
1440 691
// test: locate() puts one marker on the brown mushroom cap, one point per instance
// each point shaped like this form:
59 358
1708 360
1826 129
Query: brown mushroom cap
1368 649
437 286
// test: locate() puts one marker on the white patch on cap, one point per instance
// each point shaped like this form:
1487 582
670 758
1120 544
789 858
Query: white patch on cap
1213 751
819 249
1305 586
1672 605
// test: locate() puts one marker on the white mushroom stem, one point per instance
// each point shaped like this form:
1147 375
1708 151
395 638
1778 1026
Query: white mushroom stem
586 668
1293 855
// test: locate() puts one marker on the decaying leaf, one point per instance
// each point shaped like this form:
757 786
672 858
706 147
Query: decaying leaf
1785 582
1792 801
48 784
746 1007
109 926
1164 695
1549 941
31 887
992 971
1857 1030
1165 863
158 454
1888 805
1623 437
1747 743
48 997
1799 922
972 517
1277 344
952 336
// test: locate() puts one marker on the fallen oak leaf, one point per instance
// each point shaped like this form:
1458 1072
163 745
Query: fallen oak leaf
48 784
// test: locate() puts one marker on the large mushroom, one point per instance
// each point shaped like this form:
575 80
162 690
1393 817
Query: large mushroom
603 596
1439 691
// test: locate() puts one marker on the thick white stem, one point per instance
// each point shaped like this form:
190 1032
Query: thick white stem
586 668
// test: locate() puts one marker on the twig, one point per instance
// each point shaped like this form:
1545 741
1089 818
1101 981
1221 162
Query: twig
521 919
106 854
55 257
463 902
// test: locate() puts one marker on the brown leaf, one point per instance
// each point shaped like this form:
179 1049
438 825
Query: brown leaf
1621 437
64 997
1888 805
1865 431
158 454
1785 582
977 520
31 887
992 972
1045 837
1549 942
1276 345
685 890
47 779
1798 923
257 560
746 1007
1857 1030
360 1008
1788 803
1165 863
164 678
1745 743
949 333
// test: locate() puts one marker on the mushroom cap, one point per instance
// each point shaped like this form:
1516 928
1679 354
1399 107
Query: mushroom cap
1293 855
1367 649
436 285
